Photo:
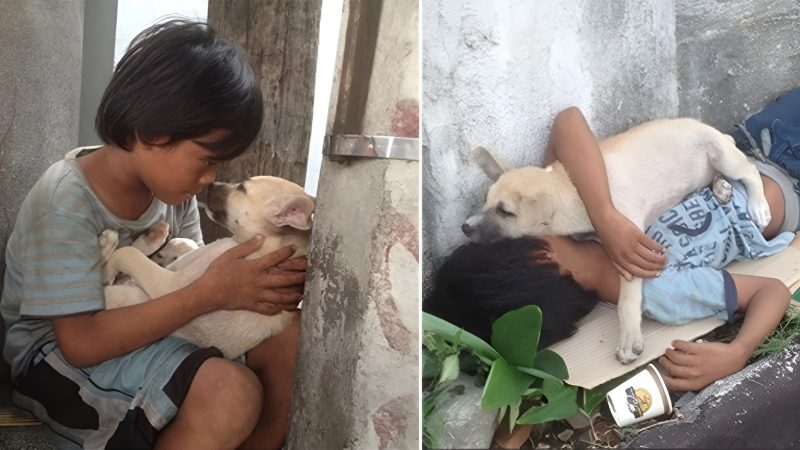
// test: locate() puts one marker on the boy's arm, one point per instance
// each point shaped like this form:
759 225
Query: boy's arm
231 282
692 366
574 145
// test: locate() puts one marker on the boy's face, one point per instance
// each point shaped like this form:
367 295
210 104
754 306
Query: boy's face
177 171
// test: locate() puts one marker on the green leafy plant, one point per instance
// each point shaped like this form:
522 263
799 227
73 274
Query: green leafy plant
517 373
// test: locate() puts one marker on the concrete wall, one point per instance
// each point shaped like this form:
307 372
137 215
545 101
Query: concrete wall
100 37
393 97
356 383
40 80
496 73
734 57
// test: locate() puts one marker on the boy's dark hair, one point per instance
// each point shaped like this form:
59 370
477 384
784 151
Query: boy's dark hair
478 283
178 80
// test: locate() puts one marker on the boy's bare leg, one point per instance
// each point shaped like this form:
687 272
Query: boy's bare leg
219 410
692 366
273 361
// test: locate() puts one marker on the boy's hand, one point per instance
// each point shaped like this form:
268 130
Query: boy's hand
692 366
296 264
260 285
633 253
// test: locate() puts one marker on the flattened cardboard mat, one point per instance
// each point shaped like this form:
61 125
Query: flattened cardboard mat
589 353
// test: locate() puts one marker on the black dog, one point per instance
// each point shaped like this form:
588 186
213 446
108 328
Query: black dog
479 282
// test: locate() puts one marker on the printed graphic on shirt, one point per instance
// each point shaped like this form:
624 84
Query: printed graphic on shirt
701 232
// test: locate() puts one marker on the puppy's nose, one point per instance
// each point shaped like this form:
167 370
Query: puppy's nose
467 229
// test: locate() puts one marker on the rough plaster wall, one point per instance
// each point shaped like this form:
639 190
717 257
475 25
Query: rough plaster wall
496 73
356 384
735 56
396 67
40 70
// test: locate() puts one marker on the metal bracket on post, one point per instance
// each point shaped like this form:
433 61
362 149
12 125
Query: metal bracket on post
341 147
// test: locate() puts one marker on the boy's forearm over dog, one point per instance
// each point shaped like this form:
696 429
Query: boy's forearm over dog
230 283
692 366
575 146
89 339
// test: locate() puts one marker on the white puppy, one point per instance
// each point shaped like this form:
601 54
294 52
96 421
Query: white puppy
650 168
276 208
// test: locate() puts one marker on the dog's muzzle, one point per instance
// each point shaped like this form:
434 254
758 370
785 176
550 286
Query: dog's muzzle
466 229
216 199
479 228
470 225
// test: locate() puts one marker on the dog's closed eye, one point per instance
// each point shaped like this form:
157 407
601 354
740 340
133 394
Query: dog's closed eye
503 210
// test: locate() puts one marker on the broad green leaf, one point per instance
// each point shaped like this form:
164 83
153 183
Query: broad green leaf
555 388
561 404
430 364
504 385
532 392
451 332
515 335
595 396
449 368
552 363
538 373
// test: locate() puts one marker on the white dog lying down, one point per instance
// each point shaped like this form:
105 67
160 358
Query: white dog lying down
276 208
650 168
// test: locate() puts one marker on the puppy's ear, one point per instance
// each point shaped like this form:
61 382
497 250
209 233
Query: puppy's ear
492 166
292 210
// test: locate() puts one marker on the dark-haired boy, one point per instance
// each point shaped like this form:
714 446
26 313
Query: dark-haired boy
180 102
480 282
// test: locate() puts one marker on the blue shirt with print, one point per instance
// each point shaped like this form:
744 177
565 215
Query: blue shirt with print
702 236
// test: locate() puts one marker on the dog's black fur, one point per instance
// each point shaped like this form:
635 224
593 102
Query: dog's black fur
479 282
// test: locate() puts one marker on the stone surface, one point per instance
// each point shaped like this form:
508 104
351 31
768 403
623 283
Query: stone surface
457 420
40 69
734 57
356 384
40 73
496 73
754 408
395 71
33 438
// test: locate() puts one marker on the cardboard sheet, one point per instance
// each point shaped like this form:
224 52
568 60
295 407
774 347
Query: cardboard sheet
589 353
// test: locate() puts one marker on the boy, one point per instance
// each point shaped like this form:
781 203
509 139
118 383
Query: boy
481 282
180 102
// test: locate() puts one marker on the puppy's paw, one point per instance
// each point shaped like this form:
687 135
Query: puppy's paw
108 242
631 345
109 274
722 189
151 241
173 250
758 208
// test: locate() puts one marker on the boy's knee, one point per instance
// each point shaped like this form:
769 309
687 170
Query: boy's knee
229 393
783 292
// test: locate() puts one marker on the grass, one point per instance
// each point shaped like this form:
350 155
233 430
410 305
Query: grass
787 332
